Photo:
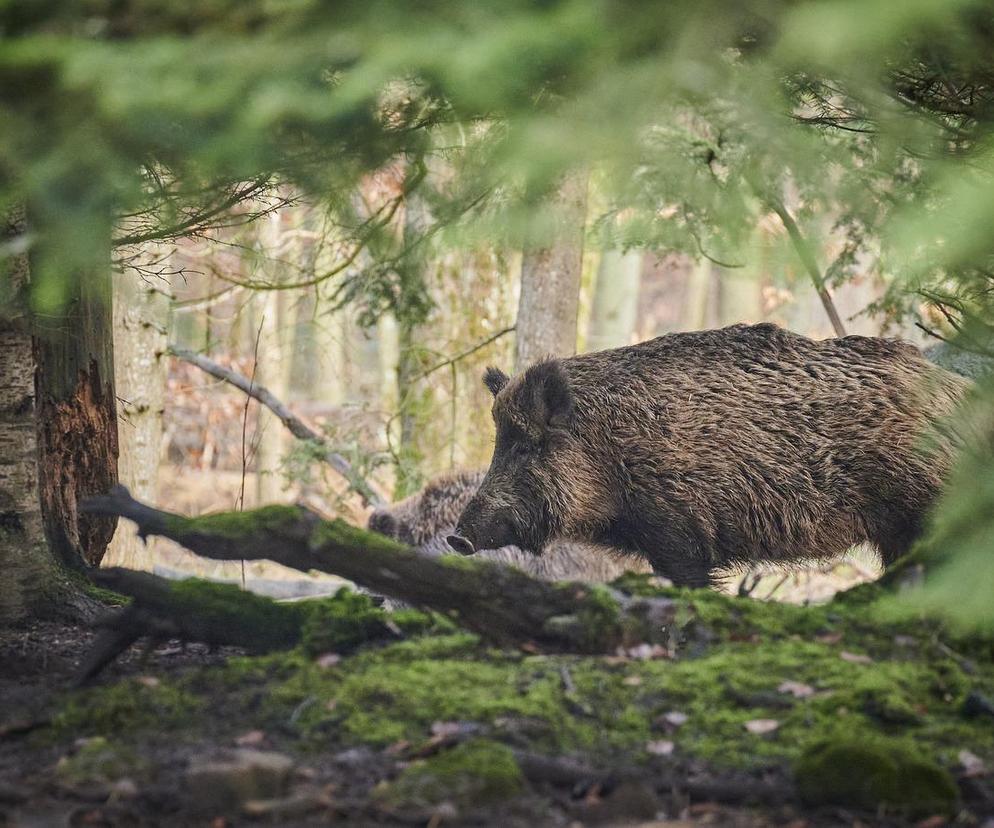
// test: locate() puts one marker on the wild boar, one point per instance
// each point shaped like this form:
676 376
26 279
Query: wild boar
425 519
709 450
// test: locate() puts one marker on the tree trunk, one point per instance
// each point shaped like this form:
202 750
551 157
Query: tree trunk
272 370
550 280
612 317
414 398
141 320
58 438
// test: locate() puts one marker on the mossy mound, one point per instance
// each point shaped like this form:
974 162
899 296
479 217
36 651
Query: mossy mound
97 761
872 774
343 623
127 707
474 774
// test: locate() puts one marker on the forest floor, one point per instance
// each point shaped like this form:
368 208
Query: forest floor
759 714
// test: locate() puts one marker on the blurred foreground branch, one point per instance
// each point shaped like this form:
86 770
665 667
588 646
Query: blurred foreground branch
367 490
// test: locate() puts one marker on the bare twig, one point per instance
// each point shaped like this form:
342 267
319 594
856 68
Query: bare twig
804 253
366 489
808 259
463 354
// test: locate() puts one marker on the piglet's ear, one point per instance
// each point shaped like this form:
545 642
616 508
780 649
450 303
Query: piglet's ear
495 380
551 397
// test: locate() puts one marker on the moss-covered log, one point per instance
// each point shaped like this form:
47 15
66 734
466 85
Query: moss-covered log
224 615
501 604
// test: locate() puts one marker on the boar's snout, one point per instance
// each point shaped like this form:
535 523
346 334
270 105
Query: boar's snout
460 544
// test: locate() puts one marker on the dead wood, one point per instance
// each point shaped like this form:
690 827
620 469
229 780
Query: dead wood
214 614
501 604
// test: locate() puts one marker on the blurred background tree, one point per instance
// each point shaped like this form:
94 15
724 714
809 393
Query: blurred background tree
353 207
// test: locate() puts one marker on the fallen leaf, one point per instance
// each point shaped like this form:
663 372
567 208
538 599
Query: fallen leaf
761 726
646 652
397 747
660 747
253 738
972 764
855 658
632 681
797 689
148 681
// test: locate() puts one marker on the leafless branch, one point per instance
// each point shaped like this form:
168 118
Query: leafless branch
463 354
366 489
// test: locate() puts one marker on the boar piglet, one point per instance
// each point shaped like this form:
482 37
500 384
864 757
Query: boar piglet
709 450
424 519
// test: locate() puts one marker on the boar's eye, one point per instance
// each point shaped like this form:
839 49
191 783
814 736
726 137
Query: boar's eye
519 448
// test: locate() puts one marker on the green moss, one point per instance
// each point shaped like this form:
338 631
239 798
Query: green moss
413 622
275 519
599 617
885 700
98 761
343 623
128 707
213 609
476 773
340 533
873 773
79 581
736 654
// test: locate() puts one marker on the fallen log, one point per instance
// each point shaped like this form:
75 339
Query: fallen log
224 615
501 604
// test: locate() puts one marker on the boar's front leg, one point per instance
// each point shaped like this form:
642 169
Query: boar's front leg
675 555
682 570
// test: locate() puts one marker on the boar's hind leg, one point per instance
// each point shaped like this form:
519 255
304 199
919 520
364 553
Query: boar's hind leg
896 539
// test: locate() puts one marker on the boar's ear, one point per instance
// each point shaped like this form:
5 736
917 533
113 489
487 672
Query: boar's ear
495 380
551 394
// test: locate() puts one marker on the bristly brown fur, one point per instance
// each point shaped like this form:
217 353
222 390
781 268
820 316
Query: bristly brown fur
495 380
705 450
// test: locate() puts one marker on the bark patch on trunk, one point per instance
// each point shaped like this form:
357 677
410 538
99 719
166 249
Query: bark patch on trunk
77 438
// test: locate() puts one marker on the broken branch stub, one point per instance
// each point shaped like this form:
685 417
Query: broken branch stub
501 604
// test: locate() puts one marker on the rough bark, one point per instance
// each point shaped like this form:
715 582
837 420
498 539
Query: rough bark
141 313
58 439
77 420
615 304
501 604
550 280
26 565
